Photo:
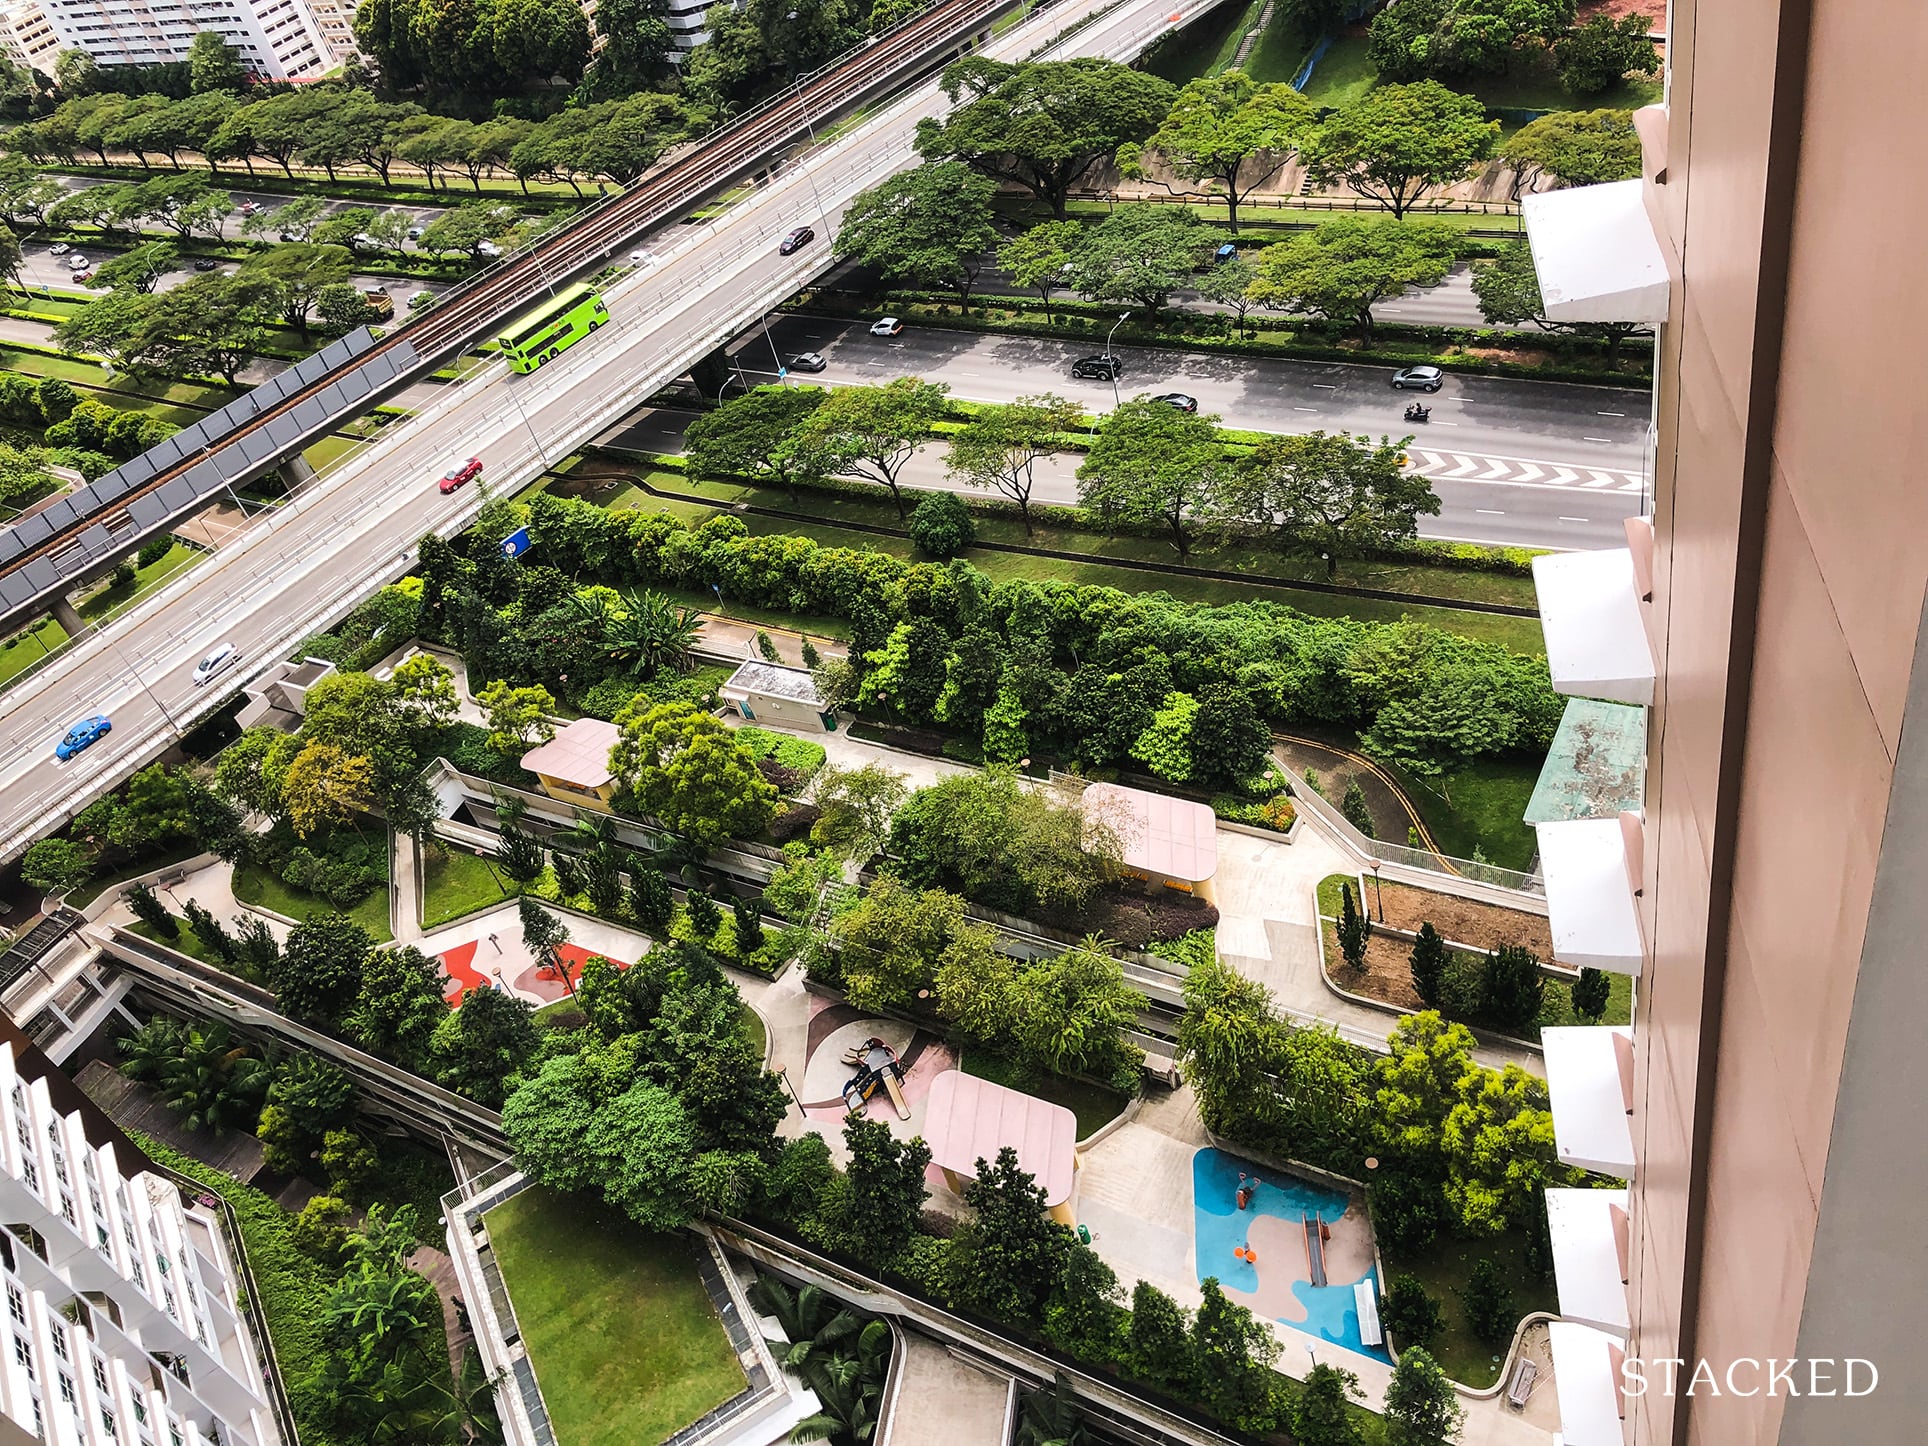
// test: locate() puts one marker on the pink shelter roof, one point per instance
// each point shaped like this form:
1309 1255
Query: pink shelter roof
968 1119
1156 832
578 754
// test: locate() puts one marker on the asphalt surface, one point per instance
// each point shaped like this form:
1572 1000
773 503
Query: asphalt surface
39 267
1516 462
357 527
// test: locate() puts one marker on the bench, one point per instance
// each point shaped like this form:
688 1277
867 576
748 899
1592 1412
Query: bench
1524 1374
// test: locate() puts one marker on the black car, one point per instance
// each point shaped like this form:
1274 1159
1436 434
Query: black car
796 241
807 361
207 264
1105 367
1180 400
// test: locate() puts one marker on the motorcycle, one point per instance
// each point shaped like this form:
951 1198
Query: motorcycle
1417 413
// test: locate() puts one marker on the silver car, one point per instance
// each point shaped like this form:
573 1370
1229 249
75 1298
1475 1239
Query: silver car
222 658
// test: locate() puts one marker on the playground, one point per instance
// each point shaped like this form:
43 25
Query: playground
1289 1250
862 1064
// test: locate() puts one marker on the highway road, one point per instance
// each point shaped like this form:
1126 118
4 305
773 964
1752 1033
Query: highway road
1515 462
356 527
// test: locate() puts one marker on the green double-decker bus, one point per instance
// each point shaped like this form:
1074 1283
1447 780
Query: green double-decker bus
555 326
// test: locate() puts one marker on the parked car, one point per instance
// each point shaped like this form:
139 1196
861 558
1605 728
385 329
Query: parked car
488 249
225 656
59 248
807 361
207 263
799 238
1423 379
248 208
1181 400
642 260
1224 253
1105 367
85 278
415 233
460 473
83 735
77 262
886 326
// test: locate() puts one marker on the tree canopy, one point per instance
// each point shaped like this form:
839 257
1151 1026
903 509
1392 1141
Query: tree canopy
930 226
1397 142
1227 131
1342 268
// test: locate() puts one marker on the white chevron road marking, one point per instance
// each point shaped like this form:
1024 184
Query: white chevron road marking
1518 471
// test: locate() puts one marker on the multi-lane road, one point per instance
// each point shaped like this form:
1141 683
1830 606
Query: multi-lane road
1517 462
358 527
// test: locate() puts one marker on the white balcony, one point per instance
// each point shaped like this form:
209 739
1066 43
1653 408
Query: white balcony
1591 867
1596 254
1586 1376
1590 1244
1590 614
1589 1075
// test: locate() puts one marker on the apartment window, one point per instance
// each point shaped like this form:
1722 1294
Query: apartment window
109 1425
30 1175
66 1388
100 1376
67 1208
23 1353
59 1334
16 1304
105 1243
140 1276
26 1135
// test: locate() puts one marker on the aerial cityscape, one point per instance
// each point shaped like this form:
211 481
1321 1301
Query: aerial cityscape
960 723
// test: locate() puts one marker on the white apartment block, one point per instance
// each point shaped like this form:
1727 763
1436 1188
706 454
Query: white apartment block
275 39
335 23
27 37
121 1320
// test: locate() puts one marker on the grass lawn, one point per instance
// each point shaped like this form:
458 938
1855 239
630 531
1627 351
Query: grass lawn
26 648
1206 46
624 1341
256 885
133 868
1479 806
1539 88
1443 1269
1343 74
456 882
188 943
757 1031
1094 1105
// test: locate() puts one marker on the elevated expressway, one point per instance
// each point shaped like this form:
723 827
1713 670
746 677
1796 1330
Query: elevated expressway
304 566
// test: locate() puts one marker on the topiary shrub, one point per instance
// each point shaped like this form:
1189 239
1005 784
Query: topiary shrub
941 525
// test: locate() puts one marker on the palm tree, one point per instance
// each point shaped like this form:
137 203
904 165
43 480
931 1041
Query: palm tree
1051 1418
147 1055
214 1083
592 830
836 1352
651 634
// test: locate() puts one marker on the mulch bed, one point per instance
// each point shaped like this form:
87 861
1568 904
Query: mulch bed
1463 921
1388 974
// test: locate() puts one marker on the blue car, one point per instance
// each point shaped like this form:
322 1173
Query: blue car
83 735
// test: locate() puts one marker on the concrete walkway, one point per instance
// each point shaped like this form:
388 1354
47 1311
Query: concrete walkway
212 887
942 1400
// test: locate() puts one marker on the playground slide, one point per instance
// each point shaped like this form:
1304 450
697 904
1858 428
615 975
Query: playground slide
1314 1247
896 1091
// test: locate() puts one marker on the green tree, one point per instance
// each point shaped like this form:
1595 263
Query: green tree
1573 148
890 943
752 436
927 227
867 433
1229 132
1165 745
139 269
481 1047
1410 1314
636 48
1230 743
941 524
1153 465
1322 1414
1000 448
1357 811
518 718
55 865
1141 253
1397 142
687 770
212 1082
1511 989
1003 844
1422 1408
1232 1353
650 900
1428 964
399 1005
1353 931
1598 55
212 65
1330 495
152 912
1591 993
1487 1300
1159 1347
1342 268
907 674
1508 292
1072 1010
466 229
1042 125
857 805
319 974
300 272
1462 37
887 1192
1040 258
1010 1257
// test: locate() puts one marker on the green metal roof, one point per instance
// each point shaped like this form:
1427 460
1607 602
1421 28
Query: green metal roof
1597 765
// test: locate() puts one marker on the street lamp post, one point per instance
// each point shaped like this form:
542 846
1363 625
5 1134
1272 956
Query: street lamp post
152 696
1377 898
1122 316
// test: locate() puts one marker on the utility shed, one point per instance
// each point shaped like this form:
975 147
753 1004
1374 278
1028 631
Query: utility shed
772 693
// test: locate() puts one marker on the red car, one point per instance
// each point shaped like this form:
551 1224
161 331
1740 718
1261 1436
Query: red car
461 472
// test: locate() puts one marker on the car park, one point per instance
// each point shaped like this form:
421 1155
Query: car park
1105 367
222 658
886 326
1181 400
807 361
799 238
83 735
460 473
248 208
1422 379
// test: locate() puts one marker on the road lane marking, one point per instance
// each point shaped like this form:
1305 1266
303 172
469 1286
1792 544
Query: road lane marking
1609 414
1488 512
1329 386
1573 519
1305 409
1596 439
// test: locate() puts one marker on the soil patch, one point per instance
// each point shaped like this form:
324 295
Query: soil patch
1387 975
1464 921
1654 10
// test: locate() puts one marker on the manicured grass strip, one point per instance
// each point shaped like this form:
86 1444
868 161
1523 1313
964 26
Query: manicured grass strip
624 1341
257 886
1444 1268
456 882
26 648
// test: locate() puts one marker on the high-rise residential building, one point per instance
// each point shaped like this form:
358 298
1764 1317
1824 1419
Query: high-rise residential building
122 1325
1768 884
335 23
275 39
27 37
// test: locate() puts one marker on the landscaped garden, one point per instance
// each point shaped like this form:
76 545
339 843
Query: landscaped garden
457 882
618 1326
